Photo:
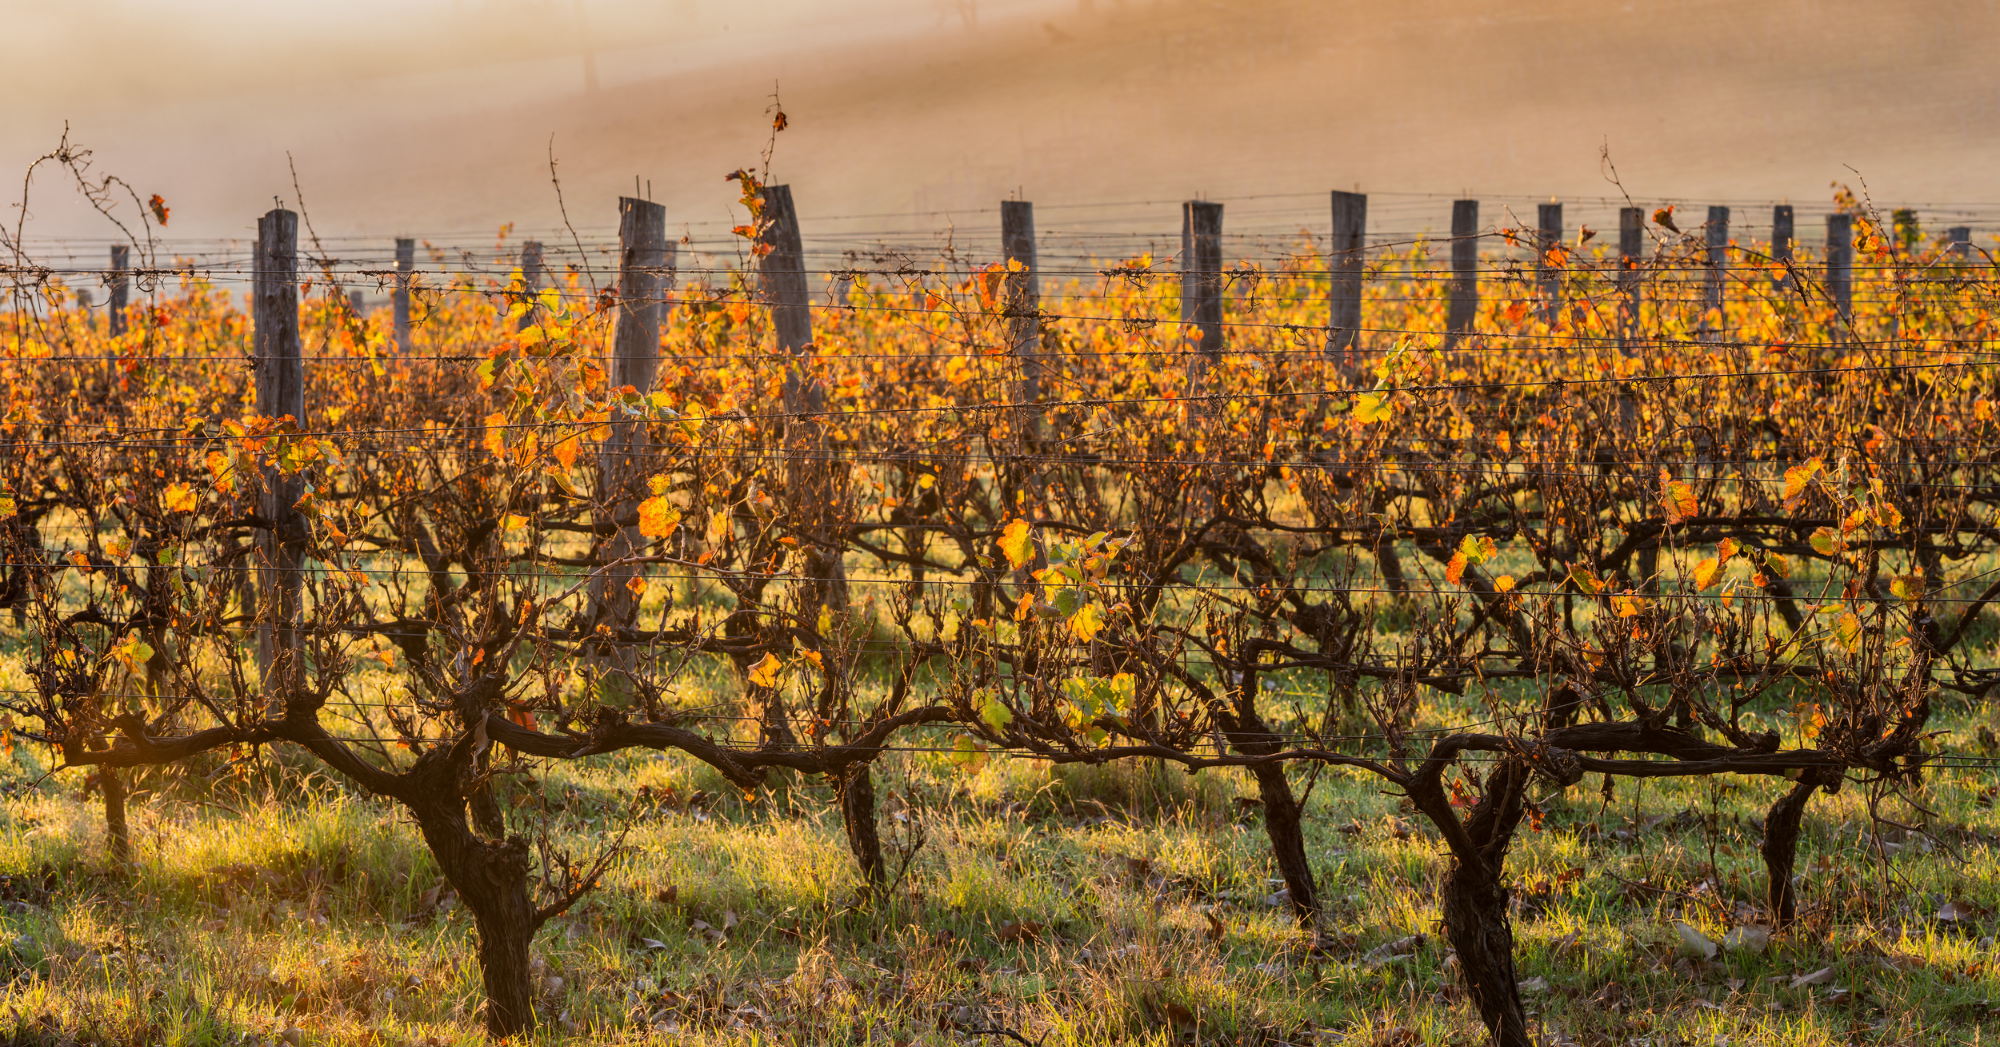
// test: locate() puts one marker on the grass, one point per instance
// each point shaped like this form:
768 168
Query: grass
1073 906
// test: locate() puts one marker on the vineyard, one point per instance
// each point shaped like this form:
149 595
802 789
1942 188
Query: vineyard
1510 634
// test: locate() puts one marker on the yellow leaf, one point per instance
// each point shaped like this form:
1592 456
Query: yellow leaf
1849 631
813 657
1725 549
765 673
1086 624
134 652
1707 573
1017 543
1796 480
658 517
1504 583
514 521
180 498
1372 407
1628 605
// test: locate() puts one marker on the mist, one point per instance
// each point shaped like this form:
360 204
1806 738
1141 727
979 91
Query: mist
439 119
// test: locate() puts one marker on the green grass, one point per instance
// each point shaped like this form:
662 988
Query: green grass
1073 906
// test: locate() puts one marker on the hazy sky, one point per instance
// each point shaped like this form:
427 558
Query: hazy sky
435 117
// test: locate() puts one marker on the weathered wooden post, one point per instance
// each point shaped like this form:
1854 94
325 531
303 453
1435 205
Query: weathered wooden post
1024 303
1548 237
1716 257
644 257
782 282
1201 274
406 266
1463 305
1781 244
1840 263
1961 241
354 303
1345 260
534 273
1631 254
815 492
281 392
120 288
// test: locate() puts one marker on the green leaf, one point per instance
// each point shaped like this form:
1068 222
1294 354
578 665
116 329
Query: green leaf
996 714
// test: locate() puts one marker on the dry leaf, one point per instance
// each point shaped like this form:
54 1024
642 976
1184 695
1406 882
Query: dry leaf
1695 943
1752 940
1018 931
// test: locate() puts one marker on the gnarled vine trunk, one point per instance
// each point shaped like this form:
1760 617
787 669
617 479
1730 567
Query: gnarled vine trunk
1283 824
856 787
1780 846
491 878
1474 901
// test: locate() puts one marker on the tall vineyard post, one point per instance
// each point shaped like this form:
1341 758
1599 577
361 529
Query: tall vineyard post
1464 304
1201 284
645 258
1024 303
121 288
1345 261
1631 255
406 266
1548 239
280 394
1840 264
1716 263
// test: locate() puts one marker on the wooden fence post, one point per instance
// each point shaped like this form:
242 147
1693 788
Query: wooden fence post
406 265
1345 260
1961 241
354 303
1201 272
1840 263
1631 252
1781 243
281 391
1716 258
644 257
1463 305
1781 233
1549 234
815 488
782 279
533 272
1024 303
120 288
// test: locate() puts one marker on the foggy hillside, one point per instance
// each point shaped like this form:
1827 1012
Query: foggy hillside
436 118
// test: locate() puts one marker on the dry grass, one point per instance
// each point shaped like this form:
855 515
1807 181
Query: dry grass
1124 904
